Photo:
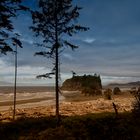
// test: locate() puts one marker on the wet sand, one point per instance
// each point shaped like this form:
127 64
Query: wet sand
19 102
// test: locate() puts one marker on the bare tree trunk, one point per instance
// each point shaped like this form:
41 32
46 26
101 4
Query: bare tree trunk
15 84
115 108
57 85
56 66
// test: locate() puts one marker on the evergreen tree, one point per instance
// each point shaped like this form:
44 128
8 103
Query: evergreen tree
8 9
53 20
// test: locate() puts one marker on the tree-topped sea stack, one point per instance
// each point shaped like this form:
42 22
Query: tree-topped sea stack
87 84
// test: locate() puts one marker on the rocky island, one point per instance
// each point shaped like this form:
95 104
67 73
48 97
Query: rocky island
87 84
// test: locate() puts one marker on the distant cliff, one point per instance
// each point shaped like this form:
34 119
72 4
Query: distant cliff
121 85
85 83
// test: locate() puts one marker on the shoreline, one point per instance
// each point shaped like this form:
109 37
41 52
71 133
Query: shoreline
70 107
19 102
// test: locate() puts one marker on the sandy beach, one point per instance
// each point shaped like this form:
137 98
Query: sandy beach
71 103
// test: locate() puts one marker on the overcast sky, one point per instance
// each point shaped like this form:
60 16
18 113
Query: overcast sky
110 48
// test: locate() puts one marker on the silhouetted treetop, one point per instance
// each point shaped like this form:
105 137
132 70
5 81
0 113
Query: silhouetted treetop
8 9
54 14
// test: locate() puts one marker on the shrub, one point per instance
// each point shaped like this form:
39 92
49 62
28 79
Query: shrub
108 94
136 104
133 90
91 92
116 91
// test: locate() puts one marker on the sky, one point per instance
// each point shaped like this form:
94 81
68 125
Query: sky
110 48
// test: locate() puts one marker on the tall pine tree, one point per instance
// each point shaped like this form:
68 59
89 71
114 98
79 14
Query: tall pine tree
53 21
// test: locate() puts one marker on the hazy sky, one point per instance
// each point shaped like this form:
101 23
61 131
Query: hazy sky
110 48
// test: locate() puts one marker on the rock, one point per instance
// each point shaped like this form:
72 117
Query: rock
87 84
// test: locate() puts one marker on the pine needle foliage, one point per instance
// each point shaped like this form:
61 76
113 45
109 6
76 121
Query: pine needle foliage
8 11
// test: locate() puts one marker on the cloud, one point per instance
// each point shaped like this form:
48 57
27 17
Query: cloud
28 40
89 40
68 56
25 74
110 79
112 58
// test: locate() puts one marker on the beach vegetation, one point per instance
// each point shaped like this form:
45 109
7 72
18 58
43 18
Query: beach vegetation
116 91
136 103
86 127
108 94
